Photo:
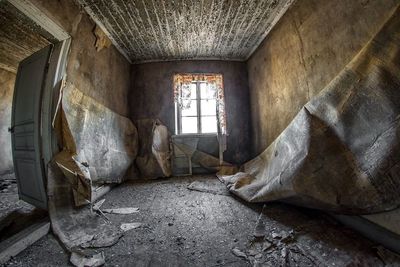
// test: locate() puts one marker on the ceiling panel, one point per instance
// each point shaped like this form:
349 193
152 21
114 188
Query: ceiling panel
20 37
156 30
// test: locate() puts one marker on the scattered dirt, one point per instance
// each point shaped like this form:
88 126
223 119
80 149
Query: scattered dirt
9 200
182 227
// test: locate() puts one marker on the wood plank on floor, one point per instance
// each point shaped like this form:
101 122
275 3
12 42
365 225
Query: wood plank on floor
20 241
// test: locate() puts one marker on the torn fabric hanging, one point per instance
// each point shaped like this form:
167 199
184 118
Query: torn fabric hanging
342 151
99 146
153 159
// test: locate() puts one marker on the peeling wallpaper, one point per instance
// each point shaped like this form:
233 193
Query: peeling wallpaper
309 46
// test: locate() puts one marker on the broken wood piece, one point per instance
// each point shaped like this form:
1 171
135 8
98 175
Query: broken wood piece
215 189
20 241
96 207
121 210
98 204
80 260
129 226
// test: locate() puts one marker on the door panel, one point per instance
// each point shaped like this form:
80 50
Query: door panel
26 136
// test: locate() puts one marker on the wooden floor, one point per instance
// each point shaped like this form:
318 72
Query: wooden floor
183 227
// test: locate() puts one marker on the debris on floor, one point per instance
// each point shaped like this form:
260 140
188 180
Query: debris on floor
6 181
96 206
127 210
216 188
237 252
186 228
259 231
9 199
129 226
80 260
78 228
121 210
305 241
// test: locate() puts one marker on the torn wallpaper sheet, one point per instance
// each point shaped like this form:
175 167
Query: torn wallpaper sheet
99 145
342 151
105 139
77 175
79 229
153 160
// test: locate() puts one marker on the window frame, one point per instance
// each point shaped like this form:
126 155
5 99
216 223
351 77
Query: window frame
199 116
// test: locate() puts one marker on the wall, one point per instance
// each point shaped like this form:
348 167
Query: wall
103 75
7 80
312 42
151 96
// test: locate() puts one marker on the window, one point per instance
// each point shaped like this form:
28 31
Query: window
198 104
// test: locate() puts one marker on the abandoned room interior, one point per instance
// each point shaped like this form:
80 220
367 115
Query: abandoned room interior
200 133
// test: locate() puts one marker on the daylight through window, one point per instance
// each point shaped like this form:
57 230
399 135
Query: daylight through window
199 104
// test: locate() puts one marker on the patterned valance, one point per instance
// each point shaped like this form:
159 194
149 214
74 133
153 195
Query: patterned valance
182 93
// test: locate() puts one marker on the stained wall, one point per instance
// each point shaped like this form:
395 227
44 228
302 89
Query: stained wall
101 81
7 80
151 96
102 75
307 48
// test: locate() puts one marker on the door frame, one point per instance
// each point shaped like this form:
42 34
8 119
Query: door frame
50 95
55 77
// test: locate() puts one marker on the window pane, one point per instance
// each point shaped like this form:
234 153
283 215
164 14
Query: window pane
208 107
209 124
207 91
189 108
193 91
189 124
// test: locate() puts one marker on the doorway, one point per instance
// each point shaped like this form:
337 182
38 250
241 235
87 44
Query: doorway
27 35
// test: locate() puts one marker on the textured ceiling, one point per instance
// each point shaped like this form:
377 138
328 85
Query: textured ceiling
155 30
19 36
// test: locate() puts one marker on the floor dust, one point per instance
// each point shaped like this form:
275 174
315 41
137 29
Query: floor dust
182 227
9 200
